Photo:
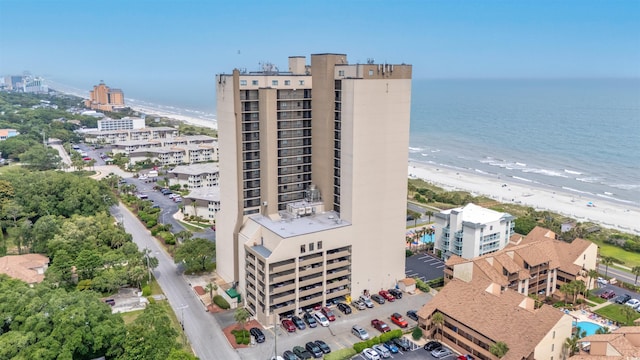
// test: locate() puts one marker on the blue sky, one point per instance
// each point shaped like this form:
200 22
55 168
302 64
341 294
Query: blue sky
147 44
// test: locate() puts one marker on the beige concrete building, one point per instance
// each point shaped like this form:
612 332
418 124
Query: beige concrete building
622 343
313 181
194 176
203 202
104 98
534 264
477 314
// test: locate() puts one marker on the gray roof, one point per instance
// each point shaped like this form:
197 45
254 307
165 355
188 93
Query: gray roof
289 226
196 169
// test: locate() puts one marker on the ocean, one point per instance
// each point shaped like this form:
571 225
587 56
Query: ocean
575 135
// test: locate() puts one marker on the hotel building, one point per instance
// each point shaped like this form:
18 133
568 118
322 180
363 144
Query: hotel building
312 181
104 98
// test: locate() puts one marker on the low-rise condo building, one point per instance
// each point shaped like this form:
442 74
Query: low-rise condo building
471 231
203 202
622 343
194 176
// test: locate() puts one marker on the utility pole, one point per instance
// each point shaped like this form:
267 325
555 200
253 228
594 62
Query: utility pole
146 254
181 308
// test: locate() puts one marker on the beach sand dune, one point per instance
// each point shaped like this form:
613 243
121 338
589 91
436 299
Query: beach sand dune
622 217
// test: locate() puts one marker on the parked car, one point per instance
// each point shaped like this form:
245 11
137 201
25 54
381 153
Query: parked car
377 298
402 343
465 357
288 325
314 349
298 323
323 346
359 304
328 313
310 320
346 309
413 315
380 325
370 354
361 333
441 352
321 319
608 294
623 298
396 293
399 320
602 281
177 199
111 302
386 295
257 334
633 303
432 345
391 346
367 301
86 158
302 353
289 355
382 351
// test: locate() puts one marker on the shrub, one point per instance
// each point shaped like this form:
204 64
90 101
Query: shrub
417 333
422 286
408 253
146 290
221 302
359 346
342 354
151 299
242 336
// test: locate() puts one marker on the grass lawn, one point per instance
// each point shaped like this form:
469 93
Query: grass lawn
614 312
630 259
128 317
596 299
191 227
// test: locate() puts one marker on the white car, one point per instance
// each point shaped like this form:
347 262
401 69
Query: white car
602 281
370 354
321 319
634 303
361 333
441 352
382 351
367 301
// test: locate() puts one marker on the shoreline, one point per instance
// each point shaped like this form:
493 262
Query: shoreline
151 112
622 217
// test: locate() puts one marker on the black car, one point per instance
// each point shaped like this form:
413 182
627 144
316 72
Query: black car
257 334
623 298
346 309
302 353
310 320
289 355
377 298
413 315
402 343
298 323
314 349
396 293
432 345
323 346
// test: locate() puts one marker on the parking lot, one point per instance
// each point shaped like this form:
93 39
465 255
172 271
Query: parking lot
338 334
424 267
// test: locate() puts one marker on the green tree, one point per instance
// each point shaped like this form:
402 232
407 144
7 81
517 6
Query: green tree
176 354
150 335
499 349
636 271
437 320
87 264
571 343
429 214
592 274
578 287
210 288
603 330
241 315
41 158
606 261
196 254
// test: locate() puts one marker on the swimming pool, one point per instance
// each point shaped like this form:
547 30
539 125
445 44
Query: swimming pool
589 327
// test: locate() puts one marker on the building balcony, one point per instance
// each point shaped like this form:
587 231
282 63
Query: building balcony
310 260
310 291
283 298
282 277
338 283
337 264
281 308
314 299
306 271
278 289
336 293
280 267
310 281
338 273
338 254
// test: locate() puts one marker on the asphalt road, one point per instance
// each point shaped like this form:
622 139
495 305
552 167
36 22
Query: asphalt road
618 274
202 329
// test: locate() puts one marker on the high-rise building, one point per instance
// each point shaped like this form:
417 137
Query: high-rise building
313 181
104 98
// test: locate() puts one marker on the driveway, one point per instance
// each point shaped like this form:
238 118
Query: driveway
424 267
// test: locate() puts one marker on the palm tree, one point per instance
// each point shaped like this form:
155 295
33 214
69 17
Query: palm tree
635 271
603 330
606 261
593 273
429 214
566 289
578 287
241 315
211 287
437 320
499 349
571 343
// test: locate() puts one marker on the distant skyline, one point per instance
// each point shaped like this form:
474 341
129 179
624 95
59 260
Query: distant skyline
138 45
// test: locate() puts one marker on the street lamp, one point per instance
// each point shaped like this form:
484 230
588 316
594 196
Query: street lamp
181 308
146 254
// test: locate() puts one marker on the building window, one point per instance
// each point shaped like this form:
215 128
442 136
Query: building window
370 72
302 249
287 82
243 82
274 82
554 334
340 72
254 82
310 246
553 346
319 245
301 82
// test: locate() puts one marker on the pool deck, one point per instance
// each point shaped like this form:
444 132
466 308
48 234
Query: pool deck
586 315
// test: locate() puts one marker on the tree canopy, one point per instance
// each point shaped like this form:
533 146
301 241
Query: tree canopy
197 254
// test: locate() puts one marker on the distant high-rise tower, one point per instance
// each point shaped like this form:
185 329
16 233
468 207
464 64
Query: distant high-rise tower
313 177
104 98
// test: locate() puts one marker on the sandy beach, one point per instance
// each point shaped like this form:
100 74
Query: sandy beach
187 119
620 216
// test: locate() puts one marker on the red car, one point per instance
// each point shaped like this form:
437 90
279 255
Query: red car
399 320
380 325
288 325
86 158
607 294
385 294
328 313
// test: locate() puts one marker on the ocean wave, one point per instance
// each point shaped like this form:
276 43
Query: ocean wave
626 186
546 172
590 180
521 164
522 179
572 172
577 191
481 172
425 155
414 149
614 199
